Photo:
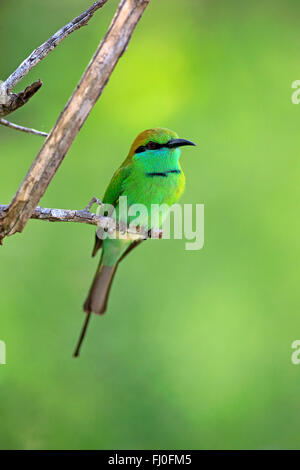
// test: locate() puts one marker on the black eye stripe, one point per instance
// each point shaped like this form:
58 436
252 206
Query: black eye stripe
140 149
151 146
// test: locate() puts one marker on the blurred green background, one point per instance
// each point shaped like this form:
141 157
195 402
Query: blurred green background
195 351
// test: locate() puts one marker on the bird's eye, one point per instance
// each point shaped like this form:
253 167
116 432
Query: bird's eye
140 149
152 145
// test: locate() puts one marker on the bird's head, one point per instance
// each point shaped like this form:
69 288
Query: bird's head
158 146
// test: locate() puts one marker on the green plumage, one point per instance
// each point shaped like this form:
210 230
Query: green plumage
151 174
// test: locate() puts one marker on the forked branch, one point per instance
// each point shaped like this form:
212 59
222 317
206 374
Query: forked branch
9 102
44 49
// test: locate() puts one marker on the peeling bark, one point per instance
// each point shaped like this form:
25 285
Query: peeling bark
10 102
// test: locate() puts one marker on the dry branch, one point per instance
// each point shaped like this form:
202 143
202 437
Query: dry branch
43 50
9 102
16 127
73 116
84 216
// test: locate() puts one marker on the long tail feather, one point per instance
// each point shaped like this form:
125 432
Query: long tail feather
96 301
97 298
82 335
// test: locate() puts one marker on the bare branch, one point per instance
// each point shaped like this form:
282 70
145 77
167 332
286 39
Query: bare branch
9 102
16 127
86 217
73 116
43 50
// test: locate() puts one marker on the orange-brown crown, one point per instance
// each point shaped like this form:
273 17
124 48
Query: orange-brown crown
158 134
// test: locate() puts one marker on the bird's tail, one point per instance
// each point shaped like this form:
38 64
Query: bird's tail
96 301
97 298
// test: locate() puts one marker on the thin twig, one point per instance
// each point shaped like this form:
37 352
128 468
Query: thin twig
44 49
93 201
11 125
73 116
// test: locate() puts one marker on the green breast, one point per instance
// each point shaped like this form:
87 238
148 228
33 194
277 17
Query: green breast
153 187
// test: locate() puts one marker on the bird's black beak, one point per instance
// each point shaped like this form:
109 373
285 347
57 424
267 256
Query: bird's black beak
179 143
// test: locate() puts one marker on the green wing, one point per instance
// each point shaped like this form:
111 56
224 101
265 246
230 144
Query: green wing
112 194
115 187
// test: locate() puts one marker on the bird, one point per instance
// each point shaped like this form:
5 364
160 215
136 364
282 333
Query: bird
150 174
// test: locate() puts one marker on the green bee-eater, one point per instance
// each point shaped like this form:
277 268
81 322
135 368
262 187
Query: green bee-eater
151 174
